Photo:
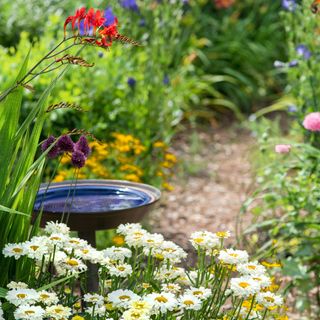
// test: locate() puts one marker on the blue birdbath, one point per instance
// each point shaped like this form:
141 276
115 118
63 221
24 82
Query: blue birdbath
92 205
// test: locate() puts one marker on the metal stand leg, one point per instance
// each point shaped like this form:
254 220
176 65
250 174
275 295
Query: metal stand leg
93 280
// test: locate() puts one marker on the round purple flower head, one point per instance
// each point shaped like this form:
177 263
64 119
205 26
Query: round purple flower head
289 5
78 159
166 80
83 146
109 16
54 151
131 82
65 143
303 51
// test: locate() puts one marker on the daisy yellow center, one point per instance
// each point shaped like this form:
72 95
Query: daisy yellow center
221 234
198 240
72 262
188 302
121 268
34 248
85 251
21 295
233 255
257 279
244 285
55 238
58 310
44 296
74 241
17 250
169 250
124 297
269 299
251 267
161 299
29 312
197 293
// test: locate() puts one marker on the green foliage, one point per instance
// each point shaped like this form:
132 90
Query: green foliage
242 43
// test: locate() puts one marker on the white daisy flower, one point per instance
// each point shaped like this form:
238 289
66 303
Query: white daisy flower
35 248
93 298
72 264
117 253
127 228
141 305
17 285
135 314
56 227
202 293
57 239
22 296
134 238
170 251
269 299
122 298
163 302
27 312
171 287
244 286
231 256
48 298
169 274
75 243
15 250
263 280
96 310
58 312
153 240
122 270
204 240
251 269
190 302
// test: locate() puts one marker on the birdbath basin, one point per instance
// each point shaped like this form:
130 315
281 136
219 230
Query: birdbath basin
93 205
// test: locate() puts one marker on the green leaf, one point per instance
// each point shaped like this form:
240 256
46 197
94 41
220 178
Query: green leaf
9 210
3 292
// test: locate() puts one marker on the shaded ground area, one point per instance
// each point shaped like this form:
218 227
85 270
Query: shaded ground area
211 185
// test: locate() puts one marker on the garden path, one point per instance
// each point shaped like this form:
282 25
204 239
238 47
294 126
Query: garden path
215 180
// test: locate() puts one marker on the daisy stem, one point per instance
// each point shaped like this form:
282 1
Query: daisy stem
251 307
265 314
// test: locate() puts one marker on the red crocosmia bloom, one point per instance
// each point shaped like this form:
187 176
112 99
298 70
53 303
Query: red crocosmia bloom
107 34
99 20
77 18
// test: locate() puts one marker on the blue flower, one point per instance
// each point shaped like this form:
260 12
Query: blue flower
293 63
166 80
289 5
303 51
131 82
142 22
110 18
130 4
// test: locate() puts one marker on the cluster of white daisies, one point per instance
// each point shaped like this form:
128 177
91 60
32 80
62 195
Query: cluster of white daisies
140 280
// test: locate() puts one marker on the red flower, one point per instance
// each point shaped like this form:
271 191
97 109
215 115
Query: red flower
77 18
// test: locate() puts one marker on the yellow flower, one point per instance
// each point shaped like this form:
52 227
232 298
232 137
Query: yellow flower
159 144
167 164
271 265
284 317
65 159
118 240
167 186
61 176
170 157
77 317
132 177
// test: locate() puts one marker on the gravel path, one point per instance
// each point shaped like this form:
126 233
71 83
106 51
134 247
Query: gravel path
214 182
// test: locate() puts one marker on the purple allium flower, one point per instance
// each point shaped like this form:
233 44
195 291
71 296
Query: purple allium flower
78 159
303 51
293 63
54 151
131 82
166 80
65 143
110 18
289 5
130 4
83 146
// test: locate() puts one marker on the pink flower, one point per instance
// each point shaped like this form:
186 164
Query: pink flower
282 148
312 121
